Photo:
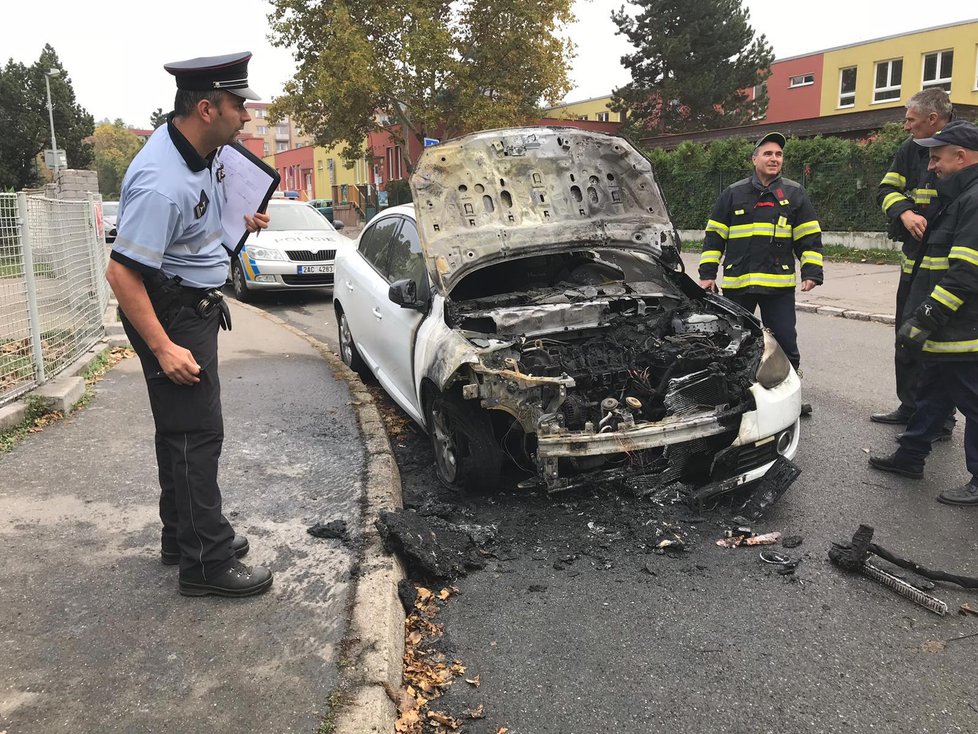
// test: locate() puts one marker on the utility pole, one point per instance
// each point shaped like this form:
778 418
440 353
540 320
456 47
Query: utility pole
48 75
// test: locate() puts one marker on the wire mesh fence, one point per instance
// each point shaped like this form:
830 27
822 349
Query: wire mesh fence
843 194
52 289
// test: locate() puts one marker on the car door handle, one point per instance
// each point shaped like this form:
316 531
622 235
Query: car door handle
349 286
377 313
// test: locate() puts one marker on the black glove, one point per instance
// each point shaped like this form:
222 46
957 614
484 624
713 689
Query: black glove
917 329
912 334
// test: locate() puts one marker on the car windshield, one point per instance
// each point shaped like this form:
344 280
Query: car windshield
284 217
110 208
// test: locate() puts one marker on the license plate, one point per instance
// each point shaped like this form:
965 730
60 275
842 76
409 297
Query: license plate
315 269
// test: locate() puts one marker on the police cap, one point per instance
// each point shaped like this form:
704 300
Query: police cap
207 73
771 138
956 132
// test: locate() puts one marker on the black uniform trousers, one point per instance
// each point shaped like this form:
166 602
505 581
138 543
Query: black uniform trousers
189 438
906 362
777 314
943 386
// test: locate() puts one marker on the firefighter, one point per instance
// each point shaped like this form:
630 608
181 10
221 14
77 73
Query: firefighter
943 314
758 227
907 194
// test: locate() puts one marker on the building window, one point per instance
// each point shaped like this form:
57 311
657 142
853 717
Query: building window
281 129
582 117
604 117
802 80
264 149
888 77
279 147
937 69
259 113
847 87
263 129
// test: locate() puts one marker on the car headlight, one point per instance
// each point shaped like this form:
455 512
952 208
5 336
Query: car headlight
774 367
263 253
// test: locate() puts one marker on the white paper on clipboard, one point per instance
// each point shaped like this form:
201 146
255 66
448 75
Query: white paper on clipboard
247 187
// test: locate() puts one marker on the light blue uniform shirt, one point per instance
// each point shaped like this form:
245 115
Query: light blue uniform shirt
170 212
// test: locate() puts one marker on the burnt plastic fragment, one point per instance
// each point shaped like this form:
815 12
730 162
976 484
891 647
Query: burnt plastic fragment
336 529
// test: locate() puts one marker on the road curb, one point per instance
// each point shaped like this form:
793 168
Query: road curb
845 313
375 643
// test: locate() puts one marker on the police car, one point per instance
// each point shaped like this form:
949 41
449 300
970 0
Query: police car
295 252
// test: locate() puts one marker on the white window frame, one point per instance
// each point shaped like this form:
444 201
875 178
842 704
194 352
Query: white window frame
890 87
801 80
262 129
842 106
604 117
937 81
976 70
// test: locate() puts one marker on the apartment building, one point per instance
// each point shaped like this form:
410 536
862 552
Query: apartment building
596 109
852 90
276 138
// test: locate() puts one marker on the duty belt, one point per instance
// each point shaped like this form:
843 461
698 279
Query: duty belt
203 301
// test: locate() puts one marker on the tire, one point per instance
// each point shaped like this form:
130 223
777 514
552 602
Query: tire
239 283
348 348
466 452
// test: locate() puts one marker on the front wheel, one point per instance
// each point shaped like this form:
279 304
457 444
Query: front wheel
466 452
348 348
239 283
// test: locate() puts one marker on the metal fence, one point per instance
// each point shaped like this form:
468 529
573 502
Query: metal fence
52 288
843 194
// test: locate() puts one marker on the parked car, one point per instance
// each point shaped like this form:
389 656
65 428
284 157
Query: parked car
296 251
110 211
526 310
324 207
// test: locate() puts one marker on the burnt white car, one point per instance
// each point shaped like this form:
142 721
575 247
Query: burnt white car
526 310
296 251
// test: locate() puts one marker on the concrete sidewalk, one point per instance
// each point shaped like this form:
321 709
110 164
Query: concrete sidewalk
95 635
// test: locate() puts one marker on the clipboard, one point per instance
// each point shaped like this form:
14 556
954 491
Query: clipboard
248 185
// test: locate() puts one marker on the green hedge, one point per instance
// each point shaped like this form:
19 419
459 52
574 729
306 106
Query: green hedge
840 176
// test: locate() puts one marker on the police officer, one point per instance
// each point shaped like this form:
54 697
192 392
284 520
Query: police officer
167 266
943 303
758 226
907 195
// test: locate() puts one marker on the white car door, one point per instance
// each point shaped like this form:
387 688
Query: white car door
399 325
363 282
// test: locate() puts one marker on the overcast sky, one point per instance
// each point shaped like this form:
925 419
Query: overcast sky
114 50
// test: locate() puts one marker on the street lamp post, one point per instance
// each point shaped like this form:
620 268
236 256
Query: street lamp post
48 75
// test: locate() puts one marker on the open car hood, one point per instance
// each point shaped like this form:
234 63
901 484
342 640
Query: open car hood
507 193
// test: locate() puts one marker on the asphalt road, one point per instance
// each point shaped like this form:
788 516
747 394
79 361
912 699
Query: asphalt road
712 639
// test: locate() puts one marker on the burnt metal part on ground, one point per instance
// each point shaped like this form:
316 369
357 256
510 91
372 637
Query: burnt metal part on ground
854 556
579 363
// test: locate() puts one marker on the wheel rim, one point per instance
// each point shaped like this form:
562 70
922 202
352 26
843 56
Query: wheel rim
346 341
237 276
444 445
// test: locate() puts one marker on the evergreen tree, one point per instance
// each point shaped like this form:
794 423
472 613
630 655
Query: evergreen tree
24 120
695 65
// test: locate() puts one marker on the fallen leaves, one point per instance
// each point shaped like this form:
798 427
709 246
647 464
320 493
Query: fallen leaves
427 673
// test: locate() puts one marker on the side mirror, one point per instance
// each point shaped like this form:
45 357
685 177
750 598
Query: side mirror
405 294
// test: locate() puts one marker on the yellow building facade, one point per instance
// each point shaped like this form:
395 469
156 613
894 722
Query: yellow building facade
886 72
596 109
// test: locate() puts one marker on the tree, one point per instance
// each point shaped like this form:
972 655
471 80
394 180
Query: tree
695 64
115 146
24 120
419 67
157 118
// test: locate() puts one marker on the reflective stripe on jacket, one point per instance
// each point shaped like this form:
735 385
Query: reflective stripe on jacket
945 283
758 231
907 186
